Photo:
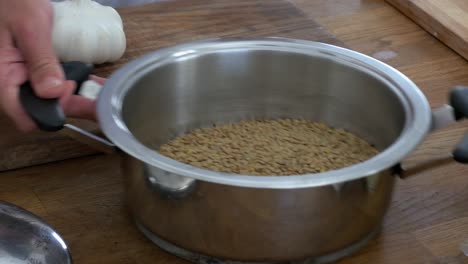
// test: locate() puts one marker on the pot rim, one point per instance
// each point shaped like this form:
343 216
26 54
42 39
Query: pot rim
416 107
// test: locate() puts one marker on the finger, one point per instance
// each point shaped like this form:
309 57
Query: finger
98 79
11 68
17 73
77 106
13 74
9 54
34 39
12 71
81 107
5 37
9 101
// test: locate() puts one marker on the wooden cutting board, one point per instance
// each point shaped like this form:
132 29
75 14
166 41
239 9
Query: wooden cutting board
446 20
158 25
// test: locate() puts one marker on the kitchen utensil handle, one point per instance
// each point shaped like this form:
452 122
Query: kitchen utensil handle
460 154
459 101
47 113
405 172
459 110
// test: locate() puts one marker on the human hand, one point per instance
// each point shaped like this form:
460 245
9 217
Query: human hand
26 53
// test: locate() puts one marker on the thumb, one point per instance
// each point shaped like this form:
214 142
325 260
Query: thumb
34 39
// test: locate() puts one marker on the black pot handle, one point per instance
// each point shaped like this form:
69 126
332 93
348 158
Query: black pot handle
459 102
458 106
460 154
47 113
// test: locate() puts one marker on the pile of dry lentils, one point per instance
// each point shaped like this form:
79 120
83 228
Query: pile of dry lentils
269 147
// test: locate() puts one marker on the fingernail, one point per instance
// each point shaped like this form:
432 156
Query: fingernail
51 83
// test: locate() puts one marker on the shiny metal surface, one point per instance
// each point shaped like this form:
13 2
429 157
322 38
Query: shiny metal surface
170 91
464 248
258 224
203 259
171 185
89 138
250 218
27 239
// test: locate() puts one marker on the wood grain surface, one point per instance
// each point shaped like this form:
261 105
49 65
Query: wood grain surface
447 20
154 26
158 25
19 150
427 222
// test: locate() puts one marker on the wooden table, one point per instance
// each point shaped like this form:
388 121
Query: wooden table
427 221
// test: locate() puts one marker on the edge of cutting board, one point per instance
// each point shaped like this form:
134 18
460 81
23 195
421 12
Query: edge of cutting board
432 26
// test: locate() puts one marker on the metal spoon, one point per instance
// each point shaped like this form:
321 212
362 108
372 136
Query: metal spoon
26 239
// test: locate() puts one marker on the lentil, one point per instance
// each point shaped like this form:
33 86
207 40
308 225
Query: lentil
269 147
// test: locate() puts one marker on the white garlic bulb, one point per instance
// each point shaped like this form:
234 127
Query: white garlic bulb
87 31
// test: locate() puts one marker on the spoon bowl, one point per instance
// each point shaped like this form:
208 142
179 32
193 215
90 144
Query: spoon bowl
26 238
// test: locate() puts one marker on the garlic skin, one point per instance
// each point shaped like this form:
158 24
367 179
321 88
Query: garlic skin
86 31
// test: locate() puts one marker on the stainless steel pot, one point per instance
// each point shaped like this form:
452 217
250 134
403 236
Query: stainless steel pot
207 216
